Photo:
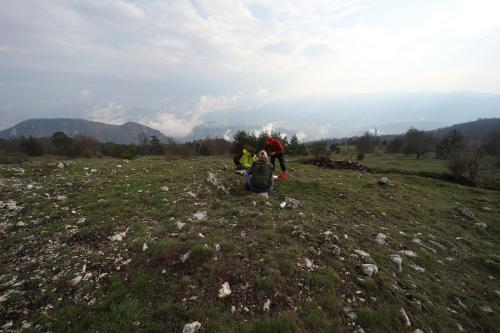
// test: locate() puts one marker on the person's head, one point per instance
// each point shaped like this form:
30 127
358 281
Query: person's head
262 156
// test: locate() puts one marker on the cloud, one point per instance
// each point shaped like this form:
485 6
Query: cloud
180 122
226 135
111 113
84 95
301 135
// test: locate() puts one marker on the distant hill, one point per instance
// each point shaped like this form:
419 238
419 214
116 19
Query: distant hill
473 130
122 134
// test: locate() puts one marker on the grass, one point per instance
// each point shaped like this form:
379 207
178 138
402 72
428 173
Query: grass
247 241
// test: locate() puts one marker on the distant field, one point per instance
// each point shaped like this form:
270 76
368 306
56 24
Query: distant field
115 246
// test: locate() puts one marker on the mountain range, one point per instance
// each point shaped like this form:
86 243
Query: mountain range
129 132
122 134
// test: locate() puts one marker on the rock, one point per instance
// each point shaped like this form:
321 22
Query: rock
481 226
267 305
144 247
165 188
7 325
60 165
467 213
200 215
487 309
292 203
76 280
224 290
398 261
405 317
380 239
263 194
460 328
191 327
486 209
118 237
309 263
497 292
369 269
213 180
335 250
418 268
180 225
185 256
418 330
283 204
352 316
409 253
363 254
384 181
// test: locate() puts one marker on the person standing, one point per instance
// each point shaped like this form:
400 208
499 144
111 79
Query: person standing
277 151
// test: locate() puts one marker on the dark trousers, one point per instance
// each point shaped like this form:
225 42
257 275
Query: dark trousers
281 159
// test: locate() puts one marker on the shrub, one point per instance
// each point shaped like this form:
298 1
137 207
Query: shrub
320 149
128 155
465 164
360 156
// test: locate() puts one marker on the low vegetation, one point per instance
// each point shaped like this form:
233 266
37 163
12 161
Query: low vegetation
116 245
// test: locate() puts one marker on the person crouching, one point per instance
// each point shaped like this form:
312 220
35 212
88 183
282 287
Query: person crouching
260 175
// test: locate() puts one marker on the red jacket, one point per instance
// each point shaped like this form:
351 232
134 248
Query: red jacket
275 146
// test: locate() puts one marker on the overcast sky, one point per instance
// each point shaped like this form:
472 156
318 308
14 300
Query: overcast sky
173 64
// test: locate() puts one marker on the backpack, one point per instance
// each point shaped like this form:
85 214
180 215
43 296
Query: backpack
262 174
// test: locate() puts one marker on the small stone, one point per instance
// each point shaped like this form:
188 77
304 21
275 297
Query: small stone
76 280
118 237
363 254
405 317
352 316
380 239
418 330
60 165
165 188
486 209
309 263
481 226
468 214
144 247
185 257
335 250
200 215
384 181
398 261
487 309
191 327
409 253
369 269
418 268
7 325
224 290
179 225
267 305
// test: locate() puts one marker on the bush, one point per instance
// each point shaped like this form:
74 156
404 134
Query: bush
360 156
128 155
320 149
465 164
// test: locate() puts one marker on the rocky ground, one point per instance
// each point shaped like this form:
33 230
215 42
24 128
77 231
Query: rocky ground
180 246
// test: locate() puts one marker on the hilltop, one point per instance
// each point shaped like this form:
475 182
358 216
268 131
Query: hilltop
121 134
152 245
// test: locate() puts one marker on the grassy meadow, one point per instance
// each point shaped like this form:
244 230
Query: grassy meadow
145 246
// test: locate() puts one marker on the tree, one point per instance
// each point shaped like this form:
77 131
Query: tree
144 142
320 149
417 142
156 148
396 145
61 142
452 142
31 146
366 143
492 144
294 145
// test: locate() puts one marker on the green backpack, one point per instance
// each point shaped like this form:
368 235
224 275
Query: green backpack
262 173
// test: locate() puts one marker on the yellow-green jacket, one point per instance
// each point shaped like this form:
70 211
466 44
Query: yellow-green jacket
247 159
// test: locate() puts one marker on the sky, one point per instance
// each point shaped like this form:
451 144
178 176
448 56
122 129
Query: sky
175 65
